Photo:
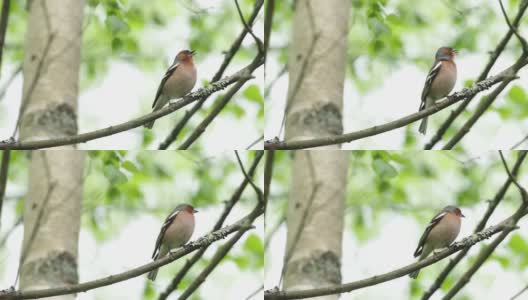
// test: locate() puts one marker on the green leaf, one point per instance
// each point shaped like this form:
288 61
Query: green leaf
518 244
383 168
116 25
130 166
254 245
252 93
117 44
517 95
114 175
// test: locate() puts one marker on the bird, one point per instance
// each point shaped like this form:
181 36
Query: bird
178 81
440 233
175 232
439 82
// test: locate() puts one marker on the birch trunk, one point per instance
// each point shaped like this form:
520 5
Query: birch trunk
314 109
52 209
51 69
317 67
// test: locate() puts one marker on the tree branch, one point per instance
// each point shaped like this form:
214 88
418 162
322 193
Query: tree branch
486 103
216 110
3 178
524 44
482 223
259 43
348 287
3 26
173 135
486 253
88 136
505 75
241 225
494 56
222 252
227 209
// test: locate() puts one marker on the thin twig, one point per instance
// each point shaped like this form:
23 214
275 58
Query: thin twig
259 43
519 37
175 132
505 225
137 122
491 62
227 210
348 137
492 205
204 241
3 179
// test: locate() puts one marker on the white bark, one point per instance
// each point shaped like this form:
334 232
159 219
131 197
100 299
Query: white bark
51 69
317 65
52 215
53 206
315 220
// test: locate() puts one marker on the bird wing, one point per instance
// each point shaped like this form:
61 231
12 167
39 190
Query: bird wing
168 74
431 225
168 222
429 81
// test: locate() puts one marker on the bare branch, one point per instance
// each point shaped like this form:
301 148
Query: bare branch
88 136
519 293
513 29
3 26
480 226
504 226
510 225
258 191
352 136
228 207
222 252
241 225
486 103
3 178
523 192
259 43
493 58
225 63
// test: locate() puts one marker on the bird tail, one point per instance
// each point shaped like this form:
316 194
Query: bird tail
158 104
149 125
423 126
152 274
414 274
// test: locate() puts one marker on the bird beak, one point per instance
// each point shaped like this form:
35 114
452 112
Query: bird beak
462 215
195 211
192 52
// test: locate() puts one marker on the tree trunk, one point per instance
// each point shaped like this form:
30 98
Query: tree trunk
52 209
51 69
315 220
317 69
314 109
52 215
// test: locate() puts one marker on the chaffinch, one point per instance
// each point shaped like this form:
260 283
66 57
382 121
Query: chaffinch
175 232
440 233
177 82
439 82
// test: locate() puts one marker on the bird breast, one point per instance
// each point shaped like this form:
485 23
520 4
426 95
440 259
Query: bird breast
181 82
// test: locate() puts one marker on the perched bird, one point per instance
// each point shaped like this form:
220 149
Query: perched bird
439 82
178 81
175 232
440 233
